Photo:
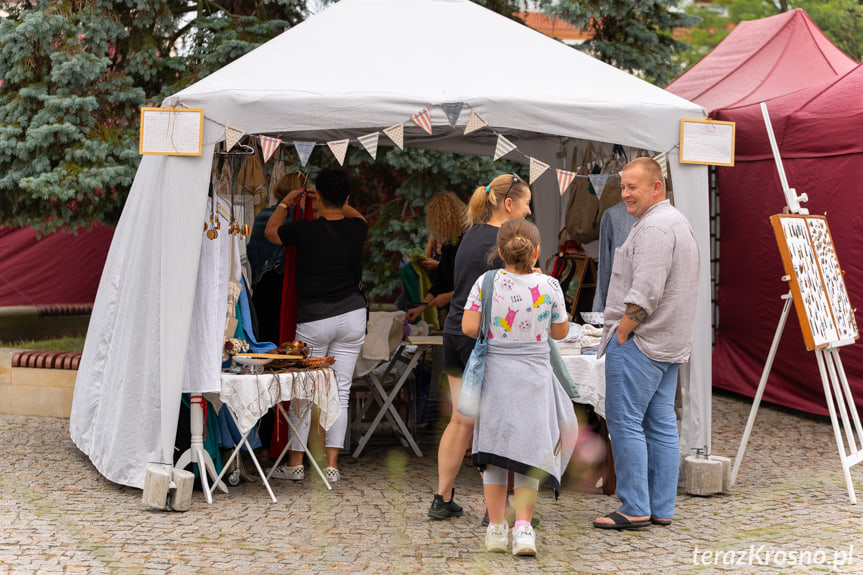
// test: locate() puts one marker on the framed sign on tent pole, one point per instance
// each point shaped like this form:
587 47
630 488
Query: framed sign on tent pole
817 289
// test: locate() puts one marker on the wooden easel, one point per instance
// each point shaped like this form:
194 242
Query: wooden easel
826 318
584 276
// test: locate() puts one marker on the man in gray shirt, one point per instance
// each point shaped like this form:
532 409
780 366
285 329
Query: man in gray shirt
649 319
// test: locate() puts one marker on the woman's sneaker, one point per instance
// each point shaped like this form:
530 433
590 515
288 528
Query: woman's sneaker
523 540
295 473
331 474
441 509
496 537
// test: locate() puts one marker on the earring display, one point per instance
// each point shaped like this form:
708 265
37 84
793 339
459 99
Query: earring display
817 284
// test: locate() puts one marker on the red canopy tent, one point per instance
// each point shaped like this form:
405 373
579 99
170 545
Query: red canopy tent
773 59
818 134
762 59
58 268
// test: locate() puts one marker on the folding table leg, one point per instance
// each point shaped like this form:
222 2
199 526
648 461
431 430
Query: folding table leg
388 406
305 448
244 440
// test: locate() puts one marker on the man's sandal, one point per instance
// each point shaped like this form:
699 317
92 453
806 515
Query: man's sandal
620 522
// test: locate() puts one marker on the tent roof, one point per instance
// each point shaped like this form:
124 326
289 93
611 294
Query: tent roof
377 62
824 120
762 59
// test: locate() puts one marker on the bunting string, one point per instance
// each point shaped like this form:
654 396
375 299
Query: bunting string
423 118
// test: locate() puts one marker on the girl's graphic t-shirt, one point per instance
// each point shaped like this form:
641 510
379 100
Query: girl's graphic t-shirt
523 305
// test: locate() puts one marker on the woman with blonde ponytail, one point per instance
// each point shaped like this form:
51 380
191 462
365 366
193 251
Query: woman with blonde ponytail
507 197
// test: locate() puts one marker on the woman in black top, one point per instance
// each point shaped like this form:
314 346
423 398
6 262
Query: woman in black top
331 314
507 197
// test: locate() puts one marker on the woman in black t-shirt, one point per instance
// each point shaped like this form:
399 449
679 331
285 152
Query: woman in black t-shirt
507 197
331 314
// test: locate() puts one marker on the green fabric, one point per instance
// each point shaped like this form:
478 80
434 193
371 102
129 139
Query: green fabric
430 314
239 333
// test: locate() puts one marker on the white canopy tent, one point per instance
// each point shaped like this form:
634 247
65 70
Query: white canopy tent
357 67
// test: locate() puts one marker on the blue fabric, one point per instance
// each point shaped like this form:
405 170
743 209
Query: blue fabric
639 403
264 255
246 317
229 435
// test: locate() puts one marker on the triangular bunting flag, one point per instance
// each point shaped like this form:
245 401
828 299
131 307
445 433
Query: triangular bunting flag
475 122
339 148
268 146
662 160
304 150
232 136
564 178
452 110
537 169
503 147
423 120
370 143
598 182
396 134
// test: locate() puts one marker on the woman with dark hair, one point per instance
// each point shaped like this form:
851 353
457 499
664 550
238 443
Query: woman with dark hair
331 314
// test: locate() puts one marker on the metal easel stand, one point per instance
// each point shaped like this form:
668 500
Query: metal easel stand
837 393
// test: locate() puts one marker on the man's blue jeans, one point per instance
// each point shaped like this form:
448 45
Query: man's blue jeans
639 409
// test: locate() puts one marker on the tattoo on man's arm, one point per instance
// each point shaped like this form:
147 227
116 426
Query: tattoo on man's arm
635 312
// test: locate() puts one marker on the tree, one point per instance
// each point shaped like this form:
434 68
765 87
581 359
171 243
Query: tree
840 20
632 35
74 75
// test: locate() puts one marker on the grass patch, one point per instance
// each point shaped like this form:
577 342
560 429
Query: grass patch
57 344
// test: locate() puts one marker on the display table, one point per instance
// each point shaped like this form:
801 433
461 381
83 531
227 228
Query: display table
250 396
588 374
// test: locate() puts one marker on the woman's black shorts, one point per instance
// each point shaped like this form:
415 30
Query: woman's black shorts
456 351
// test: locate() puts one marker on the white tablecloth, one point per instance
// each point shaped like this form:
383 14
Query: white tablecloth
588 373
251 396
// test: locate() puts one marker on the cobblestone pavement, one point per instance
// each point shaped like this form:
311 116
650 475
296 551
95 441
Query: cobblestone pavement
789 513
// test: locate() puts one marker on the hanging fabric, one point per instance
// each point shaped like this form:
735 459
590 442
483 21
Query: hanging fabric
288 327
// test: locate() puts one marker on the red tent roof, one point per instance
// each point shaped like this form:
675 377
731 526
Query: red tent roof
824 120
762 59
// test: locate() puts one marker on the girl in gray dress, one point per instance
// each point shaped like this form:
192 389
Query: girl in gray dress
526 422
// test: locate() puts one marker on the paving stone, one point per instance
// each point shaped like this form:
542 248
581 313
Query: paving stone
58 514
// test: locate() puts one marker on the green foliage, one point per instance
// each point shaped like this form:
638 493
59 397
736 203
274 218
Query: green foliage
632 35
392 193
74 75
840 20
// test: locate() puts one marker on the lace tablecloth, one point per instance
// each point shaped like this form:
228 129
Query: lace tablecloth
250 396
588 374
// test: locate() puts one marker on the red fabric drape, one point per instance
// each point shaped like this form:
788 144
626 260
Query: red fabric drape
288 318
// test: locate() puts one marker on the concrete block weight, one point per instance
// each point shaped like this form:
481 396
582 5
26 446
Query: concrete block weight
706 475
